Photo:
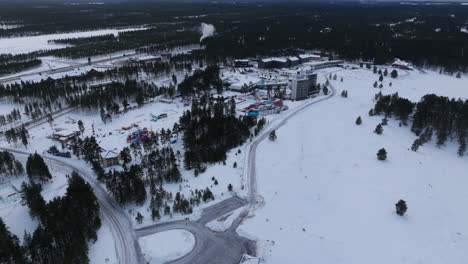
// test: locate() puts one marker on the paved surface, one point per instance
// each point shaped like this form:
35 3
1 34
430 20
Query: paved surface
210 247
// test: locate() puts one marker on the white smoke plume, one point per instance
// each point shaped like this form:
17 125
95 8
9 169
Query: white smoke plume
207 31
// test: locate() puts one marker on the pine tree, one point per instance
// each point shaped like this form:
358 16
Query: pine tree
155 214
382 154
37 169
458 75
325 90
125 105
139 218
272 136
358 120
375 84
234 165
81 126
24 136
378 129
394 74
384 121
230 187
401 207
385 72
10 248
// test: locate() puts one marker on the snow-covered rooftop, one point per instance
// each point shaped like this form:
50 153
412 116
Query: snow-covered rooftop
274 59
110 154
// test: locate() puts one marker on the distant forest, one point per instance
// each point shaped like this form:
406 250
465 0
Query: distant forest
427 35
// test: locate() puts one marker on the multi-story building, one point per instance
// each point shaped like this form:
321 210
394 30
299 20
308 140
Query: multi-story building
303 85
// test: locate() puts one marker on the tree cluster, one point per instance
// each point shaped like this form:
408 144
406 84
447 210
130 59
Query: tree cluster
36 168
127 185
66 225
211 128
393 105
201 81
444 117
17 66
9 165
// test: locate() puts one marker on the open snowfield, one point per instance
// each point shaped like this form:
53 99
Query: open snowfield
18 45
161 247
327 199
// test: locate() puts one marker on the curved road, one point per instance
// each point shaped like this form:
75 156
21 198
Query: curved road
126 245
225 247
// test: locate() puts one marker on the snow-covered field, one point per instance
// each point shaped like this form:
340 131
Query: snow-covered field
161 247
327 199
17 45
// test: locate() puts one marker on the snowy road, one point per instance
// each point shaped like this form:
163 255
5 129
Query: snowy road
126 245
225 247
251 158
210 247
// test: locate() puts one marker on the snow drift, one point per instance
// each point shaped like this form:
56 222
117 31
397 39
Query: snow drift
207 31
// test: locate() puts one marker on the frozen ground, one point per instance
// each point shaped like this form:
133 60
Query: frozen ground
17 45
327 199
167 245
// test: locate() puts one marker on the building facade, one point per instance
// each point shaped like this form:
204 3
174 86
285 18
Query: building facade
303 85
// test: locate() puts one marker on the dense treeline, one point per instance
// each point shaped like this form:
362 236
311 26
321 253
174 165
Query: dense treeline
423 34
46 96
201 81
393 105
127 185
11 251
211 128
446 118
166 35
60 17
17 66
66 224
441 116
9 166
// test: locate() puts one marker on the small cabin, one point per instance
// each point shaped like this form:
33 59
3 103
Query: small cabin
110 158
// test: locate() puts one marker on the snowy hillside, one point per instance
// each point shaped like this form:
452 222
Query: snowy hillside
328 199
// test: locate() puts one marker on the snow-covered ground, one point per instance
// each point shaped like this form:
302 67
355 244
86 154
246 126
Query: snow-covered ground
224 222
15 215
327 199
103 251
161 247
18 220
17 45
